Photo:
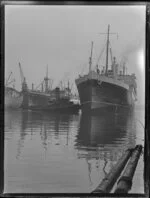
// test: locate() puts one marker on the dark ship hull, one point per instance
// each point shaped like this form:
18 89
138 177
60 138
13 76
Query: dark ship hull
96 96
59 106
56 101
31 99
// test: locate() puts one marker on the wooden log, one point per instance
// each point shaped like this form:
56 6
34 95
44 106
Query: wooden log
108 182
125 182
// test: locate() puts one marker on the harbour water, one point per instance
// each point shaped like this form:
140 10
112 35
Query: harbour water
62 153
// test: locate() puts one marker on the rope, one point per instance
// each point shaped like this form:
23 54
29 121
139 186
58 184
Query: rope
83 68
39 85
101 54
141 123
109 103
111 52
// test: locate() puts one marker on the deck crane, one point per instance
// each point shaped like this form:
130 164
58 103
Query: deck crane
8 83
21 74
8 78
23 79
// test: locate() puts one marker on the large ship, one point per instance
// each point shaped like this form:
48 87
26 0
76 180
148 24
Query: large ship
13 98
106 87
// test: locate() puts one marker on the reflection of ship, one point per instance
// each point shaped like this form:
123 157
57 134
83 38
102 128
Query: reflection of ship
106 132
47 99
51 121
106 87
49 126
13 98
102 139
14 119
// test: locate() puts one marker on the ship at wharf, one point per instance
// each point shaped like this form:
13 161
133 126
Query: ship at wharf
47 99
109 87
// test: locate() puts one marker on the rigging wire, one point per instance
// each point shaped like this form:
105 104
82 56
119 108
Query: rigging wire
101 54
83 68
39 85
110 48
13 80
8 78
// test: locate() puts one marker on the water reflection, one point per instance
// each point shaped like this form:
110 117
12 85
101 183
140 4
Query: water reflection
80 148
105 129
11 119
49 126
104 138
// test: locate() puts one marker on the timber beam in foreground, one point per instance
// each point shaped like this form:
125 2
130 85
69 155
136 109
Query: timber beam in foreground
125 181
107 183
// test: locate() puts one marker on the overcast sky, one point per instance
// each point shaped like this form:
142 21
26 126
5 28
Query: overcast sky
60 37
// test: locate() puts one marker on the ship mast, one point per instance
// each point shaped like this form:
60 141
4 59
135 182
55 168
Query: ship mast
107 50
108 47
90 59
46 79
23 79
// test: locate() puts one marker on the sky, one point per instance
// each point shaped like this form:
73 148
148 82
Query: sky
60 37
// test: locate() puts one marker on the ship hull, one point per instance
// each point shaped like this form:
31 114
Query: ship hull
31 99
13 98
39 99
60 109
96 97
46 103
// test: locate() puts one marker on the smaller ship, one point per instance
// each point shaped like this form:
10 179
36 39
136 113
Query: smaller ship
13 98
59 99
34 96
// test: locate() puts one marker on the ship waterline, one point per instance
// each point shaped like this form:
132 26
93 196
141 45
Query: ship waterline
95 94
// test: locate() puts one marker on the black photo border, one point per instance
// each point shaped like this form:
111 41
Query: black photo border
147 97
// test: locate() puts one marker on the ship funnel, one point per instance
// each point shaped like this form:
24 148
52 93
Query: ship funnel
115 67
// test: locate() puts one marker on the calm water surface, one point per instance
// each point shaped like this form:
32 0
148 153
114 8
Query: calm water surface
58 153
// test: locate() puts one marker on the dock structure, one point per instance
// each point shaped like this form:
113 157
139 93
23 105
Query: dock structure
129 158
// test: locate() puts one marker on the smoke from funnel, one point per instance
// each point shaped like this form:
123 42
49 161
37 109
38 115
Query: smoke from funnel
133 47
